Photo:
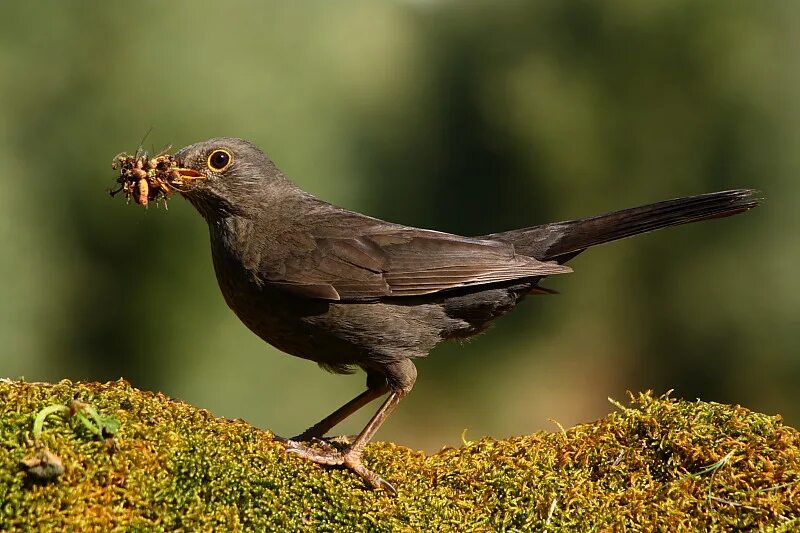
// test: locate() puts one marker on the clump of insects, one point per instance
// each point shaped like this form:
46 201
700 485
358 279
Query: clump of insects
145 178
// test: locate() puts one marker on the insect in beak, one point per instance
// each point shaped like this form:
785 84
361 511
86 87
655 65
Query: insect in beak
180 176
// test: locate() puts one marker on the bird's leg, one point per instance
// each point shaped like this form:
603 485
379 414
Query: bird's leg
350 457
376 387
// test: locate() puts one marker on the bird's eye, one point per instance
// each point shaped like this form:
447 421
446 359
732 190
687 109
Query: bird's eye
219 160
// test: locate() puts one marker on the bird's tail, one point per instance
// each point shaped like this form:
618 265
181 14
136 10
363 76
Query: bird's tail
561 241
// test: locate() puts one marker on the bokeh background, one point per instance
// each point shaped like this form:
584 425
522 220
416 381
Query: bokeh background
469 117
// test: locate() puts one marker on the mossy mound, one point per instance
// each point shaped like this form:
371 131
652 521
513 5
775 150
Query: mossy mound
662 463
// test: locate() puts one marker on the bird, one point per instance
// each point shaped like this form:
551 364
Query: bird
349 291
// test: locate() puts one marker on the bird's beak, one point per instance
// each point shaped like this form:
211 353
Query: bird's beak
181 176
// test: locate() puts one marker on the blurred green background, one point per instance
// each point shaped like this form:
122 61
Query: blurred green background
468 117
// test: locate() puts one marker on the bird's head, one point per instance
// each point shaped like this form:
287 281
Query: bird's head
224 176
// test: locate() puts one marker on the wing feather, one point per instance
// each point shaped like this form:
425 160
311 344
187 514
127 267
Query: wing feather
401 262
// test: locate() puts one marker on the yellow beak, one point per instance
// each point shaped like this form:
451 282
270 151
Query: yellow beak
182 175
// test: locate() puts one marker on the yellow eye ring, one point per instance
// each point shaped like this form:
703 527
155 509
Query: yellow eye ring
219 160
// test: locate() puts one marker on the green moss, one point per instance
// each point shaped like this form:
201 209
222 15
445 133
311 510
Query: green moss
658 462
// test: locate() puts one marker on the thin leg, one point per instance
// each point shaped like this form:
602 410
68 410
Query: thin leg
397 377
319 429
351 456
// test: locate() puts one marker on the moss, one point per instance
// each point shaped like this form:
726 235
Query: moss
657 462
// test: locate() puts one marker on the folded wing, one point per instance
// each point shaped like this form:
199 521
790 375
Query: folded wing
398 263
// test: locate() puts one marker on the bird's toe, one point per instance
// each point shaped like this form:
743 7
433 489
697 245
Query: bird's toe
348 458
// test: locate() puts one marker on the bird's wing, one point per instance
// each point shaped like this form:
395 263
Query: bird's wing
397 263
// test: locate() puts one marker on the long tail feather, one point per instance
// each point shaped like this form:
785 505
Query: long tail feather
561 241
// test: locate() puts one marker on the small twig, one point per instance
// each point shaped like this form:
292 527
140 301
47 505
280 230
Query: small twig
775 487
735 504
550 513
556 422
619 458
617 404
464 440
716 466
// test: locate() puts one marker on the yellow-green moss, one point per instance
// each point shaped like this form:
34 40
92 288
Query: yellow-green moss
659 462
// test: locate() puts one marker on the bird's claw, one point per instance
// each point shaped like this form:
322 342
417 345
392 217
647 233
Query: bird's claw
347 458
388 487
327 456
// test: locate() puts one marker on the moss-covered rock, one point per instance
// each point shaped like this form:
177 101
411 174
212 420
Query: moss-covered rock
659 462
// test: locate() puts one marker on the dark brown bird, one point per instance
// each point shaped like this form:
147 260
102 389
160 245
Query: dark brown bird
350 291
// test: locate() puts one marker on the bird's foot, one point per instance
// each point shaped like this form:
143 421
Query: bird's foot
347 458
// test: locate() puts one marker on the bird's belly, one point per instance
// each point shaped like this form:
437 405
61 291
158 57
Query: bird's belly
336 335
